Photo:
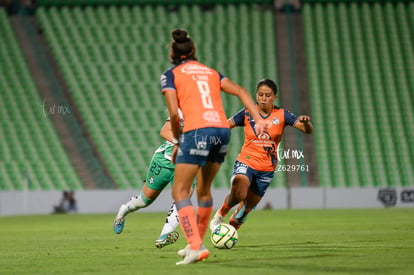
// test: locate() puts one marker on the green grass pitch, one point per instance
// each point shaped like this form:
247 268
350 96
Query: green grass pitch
343 241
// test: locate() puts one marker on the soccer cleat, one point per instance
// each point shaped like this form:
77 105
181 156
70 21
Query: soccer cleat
183 252
167 239
217 219
119 225
235 223
193 256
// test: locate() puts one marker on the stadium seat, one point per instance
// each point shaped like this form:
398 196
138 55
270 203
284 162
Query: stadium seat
112 56
30 150
355 63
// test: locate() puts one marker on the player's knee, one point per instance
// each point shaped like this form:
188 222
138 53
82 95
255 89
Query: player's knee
239 195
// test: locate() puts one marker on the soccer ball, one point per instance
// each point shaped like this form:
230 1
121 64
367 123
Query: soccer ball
224 236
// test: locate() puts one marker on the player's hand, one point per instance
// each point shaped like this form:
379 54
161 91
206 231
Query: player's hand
304 119
260 127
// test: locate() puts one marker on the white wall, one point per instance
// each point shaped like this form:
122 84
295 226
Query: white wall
102 201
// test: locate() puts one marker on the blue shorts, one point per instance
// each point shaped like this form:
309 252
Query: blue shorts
259 181
202 145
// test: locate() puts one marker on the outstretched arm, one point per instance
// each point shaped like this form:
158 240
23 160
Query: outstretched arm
304 124
231 123
232 88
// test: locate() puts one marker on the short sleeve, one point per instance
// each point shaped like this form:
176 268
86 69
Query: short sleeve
167 81
290 118
238 118
222 77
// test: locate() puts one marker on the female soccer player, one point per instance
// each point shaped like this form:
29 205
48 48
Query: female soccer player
160 173
254 168
195 89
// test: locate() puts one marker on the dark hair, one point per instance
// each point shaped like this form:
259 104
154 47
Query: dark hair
269 83
182 47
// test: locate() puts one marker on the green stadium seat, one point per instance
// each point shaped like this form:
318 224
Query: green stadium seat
29 136
356 76
114 79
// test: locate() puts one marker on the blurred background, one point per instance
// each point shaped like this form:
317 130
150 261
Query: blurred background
81 106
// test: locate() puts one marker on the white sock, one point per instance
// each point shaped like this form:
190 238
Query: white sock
171 221
132 205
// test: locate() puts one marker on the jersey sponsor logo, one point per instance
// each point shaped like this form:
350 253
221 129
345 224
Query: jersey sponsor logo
263 142
211 116
195 69
199 152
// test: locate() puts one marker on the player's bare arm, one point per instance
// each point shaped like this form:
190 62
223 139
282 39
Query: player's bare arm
166 131
304 124
232 88
231 123
172 104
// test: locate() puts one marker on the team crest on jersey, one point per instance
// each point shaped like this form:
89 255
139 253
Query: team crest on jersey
276 121
265 136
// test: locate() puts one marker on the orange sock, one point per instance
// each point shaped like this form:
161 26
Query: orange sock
225 208
189 226
204 210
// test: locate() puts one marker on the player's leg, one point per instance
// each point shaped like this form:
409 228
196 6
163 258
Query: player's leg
195 251
205 199
168 234
214 142
239 187
260 181
144 199
158 177
194 225
184 175
244 208
239 190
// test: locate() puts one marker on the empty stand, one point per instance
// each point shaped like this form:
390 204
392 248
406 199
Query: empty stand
112 56
31 154
361 93
360 58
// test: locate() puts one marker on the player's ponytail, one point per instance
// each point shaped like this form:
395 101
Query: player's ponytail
180 36
182 47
